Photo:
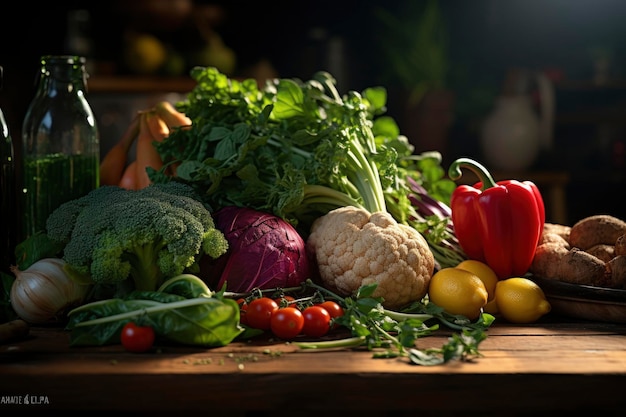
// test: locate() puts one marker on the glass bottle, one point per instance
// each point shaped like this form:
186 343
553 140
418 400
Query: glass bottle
60 142
7 194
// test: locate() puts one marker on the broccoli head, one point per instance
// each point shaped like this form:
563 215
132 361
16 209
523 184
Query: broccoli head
113 234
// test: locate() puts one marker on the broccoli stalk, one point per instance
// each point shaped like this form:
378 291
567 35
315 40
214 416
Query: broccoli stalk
113 235
144 269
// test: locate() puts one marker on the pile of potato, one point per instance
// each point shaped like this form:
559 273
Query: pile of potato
591 252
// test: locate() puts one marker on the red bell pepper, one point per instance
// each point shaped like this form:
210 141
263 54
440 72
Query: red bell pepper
496 223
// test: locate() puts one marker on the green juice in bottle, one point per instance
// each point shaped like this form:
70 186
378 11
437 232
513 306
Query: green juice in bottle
60 140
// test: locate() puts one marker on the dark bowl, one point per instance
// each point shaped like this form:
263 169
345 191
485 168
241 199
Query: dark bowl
584 301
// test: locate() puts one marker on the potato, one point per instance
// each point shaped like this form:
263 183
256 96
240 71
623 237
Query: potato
553 238
602 251
620 246
559 229
596 230
547 256
617 267
553 261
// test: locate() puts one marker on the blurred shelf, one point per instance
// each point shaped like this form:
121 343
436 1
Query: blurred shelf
584 102
140 84
592 115
586 85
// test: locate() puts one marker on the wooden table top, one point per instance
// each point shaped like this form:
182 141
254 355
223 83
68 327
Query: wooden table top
554 365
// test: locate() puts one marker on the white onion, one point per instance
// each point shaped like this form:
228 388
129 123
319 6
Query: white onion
43 292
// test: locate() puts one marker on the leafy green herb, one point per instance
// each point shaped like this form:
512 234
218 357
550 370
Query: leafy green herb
463 346
298 150
291 149
392 334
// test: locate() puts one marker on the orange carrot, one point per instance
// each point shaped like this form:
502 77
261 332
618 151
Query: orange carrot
113 164
129 178
158 127
147 155
172 117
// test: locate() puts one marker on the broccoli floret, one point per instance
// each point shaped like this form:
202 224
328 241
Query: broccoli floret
148 235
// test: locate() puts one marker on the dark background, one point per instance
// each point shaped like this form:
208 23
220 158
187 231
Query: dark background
486 39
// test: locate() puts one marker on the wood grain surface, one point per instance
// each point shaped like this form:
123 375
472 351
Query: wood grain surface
552 366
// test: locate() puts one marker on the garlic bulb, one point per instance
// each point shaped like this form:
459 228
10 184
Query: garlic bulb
42 293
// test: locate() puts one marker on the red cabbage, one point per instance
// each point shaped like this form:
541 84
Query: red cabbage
264 252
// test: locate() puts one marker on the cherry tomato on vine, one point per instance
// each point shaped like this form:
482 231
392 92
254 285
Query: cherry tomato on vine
333 308
287 323
259 312
136 338
285 301
316 321
243 307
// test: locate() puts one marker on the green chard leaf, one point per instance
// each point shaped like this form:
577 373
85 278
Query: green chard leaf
182 311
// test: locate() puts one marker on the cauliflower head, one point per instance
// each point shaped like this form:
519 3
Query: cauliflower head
353 247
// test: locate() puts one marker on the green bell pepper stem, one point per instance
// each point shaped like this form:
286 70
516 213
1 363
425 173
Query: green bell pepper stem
454 172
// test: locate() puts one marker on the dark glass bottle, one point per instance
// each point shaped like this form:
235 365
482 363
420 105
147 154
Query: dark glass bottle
8 195
60 142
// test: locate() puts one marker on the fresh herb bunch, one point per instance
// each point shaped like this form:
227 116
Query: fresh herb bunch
298 150
392 334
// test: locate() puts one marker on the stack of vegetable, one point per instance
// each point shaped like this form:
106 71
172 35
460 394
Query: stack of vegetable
256 189
112 241
300 149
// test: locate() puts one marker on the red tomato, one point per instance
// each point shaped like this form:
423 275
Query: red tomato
243 307
333 308
259 312
287 322
137 338
286 301
316 321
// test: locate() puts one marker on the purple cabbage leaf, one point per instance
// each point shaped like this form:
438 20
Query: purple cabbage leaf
264 252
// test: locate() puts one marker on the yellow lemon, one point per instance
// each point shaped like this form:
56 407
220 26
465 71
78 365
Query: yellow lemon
144 53
458 291
217 54
482 271
521 300
487 276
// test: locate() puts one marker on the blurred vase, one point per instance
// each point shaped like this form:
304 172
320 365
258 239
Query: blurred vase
510 135
516 131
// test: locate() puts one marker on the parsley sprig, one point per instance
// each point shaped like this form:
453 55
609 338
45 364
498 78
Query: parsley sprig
391 334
